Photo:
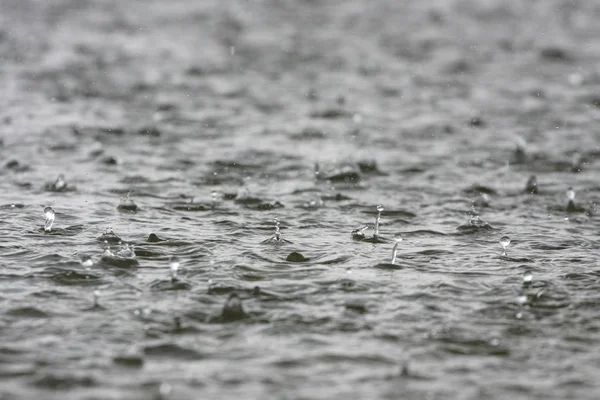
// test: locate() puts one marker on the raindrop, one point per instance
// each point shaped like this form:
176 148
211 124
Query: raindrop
504 242
49 214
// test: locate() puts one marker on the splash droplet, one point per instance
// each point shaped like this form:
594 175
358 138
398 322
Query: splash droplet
504 242
377 219
527 278
49 214
174 267
86 261
570 194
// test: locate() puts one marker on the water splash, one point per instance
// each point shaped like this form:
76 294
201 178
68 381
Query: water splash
359 234
377 219
527 278
96 295
233 310
127 204
276 238
60 183
570 194
397 239
532 185
86 261
174 268
127 251
49 215
504 242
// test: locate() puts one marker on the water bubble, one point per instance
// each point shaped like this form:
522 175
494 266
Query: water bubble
504 242
49 214
86 261
527 278
174 267
522 299
570 194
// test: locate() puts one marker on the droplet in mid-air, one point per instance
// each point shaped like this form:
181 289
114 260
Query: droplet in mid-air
174 267
504 242
276 238
49 214
527 278
397 239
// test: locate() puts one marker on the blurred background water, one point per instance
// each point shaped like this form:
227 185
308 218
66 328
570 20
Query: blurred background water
202 122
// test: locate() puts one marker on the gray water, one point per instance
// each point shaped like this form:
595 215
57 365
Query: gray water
421 106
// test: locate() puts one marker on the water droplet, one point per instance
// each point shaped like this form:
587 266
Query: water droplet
49 214
127 204
348 270
527 278
570 194
60 183
233 310
504 242
127 251
522 299
377 219
397 240
165 389
174 267
86 261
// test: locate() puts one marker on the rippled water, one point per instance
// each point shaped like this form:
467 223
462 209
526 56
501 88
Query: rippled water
212 115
